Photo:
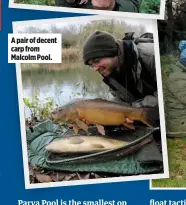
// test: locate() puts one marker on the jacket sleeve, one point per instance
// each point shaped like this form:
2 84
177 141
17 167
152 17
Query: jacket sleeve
129 5
148 64
147 101
136 4
176 85
147 55
118 97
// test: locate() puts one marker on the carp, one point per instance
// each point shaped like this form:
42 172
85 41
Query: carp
84 144
99 112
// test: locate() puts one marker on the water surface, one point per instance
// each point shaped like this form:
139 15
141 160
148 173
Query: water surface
63 86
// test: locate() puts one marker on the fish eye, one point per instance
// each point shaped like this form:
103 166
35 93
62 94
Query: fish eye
54 112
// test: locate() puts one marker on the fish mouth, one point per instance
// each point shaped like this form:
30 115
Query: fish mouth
57 120
51 118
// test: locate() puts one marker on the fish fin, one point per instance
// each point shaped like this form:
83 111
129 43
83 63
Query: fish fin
149 115
75 140
150 123
75 128
97 146
130 126
82 125
101 129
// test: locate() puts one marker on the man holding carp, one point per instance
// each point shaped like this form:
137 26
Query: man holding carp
127 67
110 5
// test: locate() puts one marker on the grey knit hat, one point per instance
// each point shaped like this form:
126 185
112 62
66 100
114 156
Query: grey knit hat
99 44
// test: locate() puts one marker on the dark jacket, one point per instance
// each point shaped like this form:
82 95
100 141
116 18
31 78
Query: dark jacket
137 75
121 5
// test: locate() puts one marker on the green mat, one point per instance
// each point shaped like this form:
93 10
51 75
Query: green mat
142 159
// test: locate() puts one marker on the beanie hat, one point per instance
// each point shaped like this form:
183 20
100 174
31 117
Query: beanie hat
182 45
99 44
183 57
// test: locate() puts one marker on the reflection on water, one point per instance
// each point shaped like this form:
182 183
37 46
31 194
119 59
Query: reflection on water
63 85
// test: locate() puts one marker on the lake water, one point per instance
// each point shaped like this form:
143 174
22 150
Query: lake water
63 86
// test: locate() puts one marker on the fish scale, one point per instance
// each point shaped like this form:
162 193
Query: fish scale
84 144
101 113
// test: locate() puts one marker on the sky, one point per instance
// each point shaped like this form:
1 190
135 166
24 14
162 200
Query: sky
43 24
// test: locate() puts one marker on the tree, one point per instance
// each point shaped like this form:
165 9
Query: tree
173 28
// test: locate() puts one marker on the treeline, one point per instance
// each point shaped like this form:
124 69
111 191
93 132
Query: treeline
173 28
74 35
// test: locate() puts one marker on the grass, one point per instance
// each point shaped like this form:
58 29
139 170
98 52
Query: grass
177 165
166 62
176 146
37 2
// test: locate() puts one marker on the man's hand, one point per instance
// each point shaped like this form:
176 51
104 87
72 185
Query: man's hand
83 2
86 122
129 121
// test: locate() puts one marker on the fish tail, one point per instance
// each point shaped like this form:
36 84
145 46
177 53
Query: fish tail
149 116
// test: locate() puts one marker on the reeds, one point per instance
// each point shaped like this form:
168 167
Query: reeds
71 59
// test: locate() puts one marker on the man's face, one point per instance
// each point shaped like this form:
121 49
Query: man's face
104 66
103 4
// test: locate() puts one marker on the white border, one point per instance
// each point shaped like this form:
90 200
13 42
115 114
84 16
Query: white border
160 16
90 181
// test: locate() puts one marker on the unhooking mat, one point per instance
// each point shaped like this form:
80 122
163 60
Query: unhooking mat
145 160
